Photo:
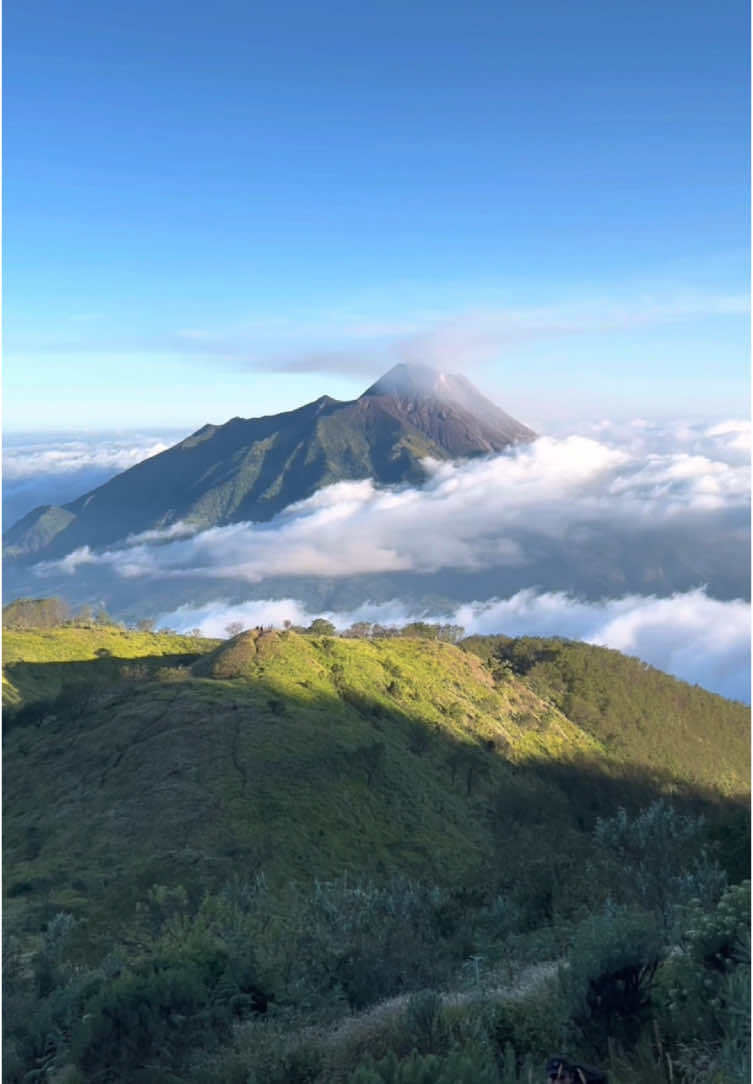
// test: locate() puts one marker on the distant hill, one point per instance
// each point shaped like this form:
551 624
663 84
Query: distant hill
134 759
250 469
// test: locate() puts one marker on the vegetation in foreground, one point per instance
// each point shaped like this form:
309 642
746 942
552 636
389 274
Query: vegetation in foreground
297 857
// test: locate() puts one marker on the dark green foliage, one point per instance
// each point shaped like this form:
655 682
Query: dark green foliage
712 938
531 1027
158 1009
306 756
607 984
28 715
657 859
140 1018
43 1000
370 942
468 763
703 995
371 759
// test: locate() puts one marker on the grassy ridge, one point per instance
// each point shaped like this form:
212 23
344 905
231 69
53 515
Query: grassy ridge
295 755
38 662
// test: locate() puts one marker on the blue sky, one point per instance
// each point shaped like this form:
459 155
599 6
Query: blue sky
226 209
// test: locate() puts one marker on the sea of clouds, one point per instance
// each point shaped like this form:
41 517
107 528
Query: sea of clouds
611 487
49 469
468 515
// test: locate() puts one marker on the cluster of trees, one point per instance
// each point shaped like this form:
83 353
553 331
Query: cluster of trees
48 613
365 630
28 613
423 630
624 702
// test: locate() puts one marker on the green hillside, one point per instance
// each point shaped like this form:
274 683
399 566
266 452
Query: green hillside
639 714
298 756
37 663
305 756
318 822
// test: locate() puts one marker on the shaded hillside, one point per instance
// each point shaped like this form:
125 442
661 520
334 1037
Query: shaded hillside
639 714
250 469
301 757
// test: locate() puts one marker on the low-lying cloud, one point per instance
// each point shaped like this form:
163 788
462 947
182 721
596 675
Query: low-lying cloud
633 535
548 500
694 637
29 459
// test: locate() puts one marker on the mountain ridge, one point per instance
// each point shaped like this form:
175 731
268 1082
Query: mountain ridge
250 469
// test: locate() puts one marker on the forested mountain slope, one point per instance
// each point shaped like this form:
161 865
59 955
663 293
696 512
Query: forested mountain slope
250 469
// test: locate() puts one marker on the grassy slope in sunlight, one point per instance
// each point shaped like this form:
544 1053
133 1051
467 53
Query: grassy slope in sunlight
294 755
95 651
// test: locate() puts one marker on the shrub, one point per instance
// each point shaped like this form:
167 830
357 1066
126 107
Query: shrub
368 942
139 1017
656 859
174 674
704 988
711 938
531 1026
184 995
607 983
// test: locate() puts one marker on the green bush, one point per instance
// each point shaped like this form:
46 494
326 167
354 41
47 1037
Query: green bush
608 978
532 1026
657 860
365 942
704 987
185 994
711 938
143 1017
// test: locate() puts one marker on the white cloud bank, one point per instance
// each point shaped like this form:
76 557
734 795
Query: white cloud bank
690 635
48 470
635 493
30 459
473 515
